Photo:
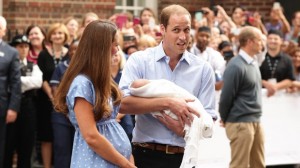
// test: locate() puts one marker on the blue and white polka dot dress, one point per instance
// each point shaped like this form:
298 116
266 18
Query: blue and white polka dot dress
82 154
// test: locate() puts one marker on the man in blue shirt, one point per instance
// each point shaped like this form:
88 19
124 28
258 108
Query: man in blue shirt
158 142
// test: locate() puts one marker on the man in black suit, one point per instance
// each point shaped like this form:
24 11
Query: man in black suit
10 86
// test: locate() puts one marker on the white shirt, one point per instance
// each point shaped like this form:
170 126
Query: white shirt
213 57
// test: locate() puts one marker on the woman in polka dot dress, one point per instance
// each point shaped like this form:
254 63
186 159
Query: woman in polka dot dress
90 98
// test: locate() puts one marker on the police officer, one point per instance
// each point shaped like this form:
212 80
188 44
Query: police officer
20 135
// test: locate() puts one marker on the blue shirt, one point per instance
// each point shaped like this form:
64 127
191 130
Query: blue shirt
59 72
191 73
82 154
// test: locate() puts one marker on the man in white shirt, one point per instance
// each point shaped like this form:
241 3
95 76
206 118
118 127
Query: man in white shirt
213 57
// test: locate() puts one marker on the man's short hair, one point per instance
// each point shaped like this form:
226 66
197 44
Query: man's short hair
204 29
275 32
170 10
247 33
3 22
223 44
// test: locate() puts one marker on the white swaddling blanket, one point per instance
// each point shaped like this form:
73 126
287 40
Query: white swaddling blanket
200 128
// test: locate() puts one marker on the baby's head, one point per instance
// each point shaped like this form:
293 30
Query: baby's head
139 83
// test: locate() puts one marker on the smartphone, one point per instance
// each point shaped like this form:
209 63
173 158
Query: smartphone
276 5
128 38
198 16
136 21
121 20
215 10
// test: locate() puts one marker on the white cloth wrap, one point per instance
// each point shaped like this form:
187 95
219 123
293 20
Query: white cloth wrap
201 127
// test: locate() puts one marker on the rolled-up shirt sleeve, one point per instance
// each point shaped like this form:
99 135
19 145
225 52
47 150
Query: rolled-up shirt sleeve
132 71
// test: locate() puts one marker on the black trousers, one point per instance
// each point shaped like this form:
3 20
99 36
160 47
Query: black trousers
147 158
2 138
20 136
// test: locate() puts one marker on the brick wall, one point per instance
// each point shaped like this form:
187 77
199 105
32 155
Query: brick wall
262 6
191 5
21 13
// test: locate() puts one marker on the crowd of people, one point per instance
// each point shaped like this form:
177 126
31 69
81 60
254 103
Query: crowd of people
69 87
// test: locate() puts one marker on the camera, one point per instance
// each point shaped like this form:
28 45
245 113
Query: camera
129 38
215 10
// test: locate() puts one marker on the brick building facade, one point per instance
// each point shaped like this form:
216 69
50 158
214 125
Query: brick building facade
21 13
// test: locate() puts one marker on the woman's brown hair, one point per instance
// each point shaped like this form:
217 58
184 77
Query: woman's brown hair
93 59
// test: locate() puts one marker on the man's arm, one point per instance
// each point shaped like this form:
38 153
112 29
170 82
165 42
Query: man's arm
271 88
230 88
285 24
284 84
34 81
15 88
139 105
206 94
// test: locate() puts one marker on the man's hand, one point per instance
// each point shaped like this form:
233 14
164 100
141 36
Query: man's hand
271 88
11 116
222 124
173 125
180 108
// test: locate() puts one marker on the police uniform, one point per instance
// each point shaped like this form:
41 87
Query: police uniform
20 135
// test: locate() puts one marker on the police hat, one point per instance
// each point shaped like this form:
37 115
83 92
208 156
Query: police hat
19 39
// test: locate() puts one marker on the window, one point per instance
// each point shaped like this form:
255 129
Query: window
134 6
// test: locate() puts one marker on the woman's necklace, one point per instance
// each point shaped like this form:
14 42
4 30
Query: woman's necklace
57 60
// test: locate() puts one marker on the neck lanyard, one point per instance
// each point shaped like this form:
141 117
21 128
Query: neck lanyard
272 67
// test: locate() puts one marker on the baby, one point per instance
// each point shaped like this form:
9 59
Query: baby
201 127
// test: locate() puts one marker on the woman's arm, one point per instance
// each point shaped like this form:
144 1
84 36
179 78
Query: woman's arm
34 81
47 89
97 142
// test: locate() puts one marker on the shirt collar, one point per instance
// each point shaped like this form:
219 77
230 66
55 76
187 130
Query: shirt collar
24 61
246 56
160 54
276 57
